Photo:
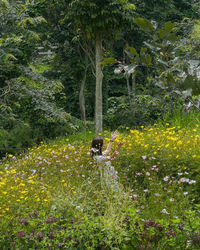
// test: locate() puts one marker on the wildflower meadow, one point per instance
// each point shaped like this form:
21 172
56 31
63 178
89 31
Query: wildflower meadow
51 197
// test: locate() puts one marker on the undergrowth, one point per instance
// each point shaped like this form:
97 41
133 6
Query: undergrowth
51 197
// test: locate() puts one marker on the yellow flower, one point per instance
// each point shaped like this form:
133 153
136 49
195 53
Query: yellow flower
179 143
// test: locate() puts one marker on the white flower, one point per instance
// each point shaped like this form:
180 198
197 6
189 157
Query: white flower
171 199
164 211
147 173
144 157
166 178
34 171
185 193
117 71
184 179
192 182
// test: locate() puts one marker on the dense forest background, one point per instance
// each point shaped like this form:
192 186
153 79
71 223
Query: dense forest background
150 64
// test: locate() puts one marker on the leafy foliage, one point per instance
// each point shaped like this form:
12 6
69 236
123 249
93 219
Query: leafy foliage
143 110
29 102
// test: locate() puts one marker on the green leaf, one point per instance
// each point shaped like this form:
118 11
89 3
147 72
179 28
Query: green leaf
144 24
107 61
5 3
148 60
166 32
168 27
132 50
143 50
170 78
130 6
163 62
9 57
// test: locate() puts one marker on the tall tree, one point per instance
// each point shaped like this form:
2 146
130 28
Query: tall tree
97 21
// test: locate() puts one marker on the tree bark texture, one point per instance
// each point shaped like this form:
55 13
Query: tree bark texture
99 80
81 95
128 86
133 87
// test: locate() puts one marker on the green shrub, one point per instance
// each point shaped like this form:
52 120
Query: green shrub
144 110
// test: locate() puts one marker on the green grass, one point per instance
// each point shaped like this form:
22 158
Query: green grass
51 197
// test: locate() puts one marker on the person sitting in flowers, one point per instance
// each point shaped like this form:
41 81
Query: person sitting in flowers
108 174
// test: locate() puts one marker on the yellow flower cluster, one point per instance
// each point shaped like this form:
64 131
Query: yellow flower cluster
31 180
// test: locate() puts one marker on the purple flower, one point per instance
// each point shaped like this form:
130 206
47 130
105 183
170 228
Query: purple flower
23 221
60 245
51 220
40 236
144 157
50 235
21 234
35 213
170 233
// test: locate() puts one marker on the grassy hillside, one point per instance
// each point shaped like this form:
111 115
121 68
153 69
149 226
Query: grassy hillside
51 197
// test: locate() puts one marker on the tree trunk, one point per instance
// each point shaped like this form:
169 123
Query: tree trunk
81 95
99 80
133 86
128 86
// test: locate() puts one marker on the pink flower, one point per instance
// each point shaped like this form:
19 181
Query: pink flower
192 182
